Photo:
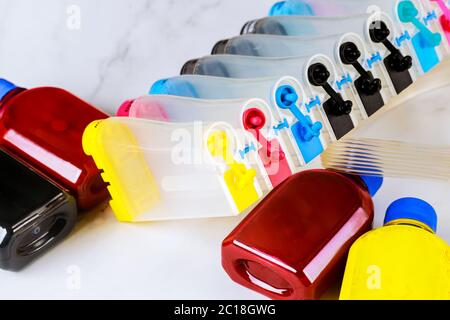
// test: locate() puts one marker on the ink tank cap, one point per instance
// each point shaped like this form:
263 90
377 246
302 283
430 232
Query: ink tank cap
159 87
124 109
220 47
176 87
189 67
289 8
6 87
412 209
277 9
373 184
249 27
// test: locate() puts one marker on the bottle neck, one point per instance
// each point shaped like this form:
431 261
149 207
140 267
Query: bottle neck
410 223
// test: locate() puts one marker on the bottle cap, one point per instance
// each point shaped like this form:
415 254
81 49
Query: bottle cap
189 67
412 209
124 109
159 87
277 8
373 183
220 47
174 87
5 88
289 8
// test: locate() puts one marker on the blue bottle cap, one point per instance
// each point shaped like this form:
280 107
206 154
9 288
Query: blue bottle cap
373 183
412 209
178 88
277 9
292 7
6 87
159 87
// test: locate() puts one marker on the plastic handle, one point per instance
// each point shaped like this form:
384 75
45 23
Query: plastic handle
239 180
254 121
311 131
218 145
286 99
408 14
434 39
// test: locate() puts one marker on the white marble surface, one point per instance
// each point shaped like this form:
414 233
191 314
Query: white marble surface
120 48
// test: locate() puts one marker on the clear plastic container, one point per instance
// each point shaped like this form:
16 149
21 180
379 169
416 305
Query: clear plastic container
336 7
215 88
246 67
381 34
164 171
268 89
252 119
404 260
361 72
319 7
317 73
275 46
295 25
419 24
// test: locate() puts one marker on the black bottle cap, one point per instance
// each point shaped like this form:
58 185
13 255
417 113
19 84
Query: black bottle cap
189 67
220 47
318 74
349 53
249 27
379 31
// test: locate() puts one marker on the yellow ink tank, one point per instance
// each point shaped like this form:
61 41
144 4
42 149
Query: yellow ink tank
164 171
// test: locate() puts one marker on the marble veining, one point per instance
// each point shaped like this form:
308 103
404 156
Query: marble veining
119 48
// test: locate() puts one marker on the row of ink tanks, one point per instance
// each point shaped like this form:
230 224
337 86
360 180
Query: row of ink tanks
249 122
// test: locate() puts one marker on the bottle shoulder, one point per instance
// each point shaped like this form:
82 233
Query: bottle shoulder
398 262
397 238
